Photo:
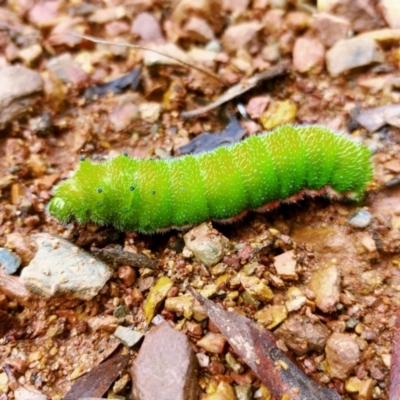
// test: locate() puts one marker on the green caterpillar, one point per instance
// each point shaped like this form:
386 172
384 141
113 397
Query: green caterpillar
256 174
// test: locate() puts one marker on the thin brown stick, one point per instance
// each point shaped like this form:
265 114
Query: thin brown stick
138 46
238 89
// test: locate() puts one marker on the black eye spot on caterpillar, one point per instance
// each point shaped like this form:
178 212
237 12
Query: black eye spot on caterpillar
255 174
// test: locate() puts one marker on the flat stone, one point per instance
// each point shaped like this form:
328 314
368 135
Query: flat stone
342 355
331 28
352 53
325 283
285 265
361 14
18 89
147 27
375 118
241 36
303 336
60 268
197 29
308 55
127 336
9 261
165 368
391 12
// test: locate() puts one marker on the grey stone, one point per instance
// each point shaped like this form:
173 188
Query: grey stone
361 219
60 268
18 89
347 54
127 336
165 368
9 261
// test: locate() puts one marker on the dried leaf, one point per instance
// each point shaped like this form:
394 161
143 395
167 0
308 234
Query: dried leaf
96 382
210 141
257 346
130 80
239 89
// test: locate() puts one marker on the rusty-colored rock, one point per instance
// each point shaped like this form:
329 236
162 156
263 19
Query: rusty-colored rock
301 335
342 355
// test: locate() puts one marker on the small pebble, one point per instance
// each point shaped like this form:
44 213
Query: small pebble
342 355
128 336
9 261
361 219
212 342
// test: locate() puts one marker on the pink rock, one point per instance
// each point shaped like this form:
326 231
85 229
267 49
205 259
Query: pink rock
342 355
123 115
241 36
44 14
198 29
361 14
331 28
257 105
165 368
116 28
147 27
308 55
